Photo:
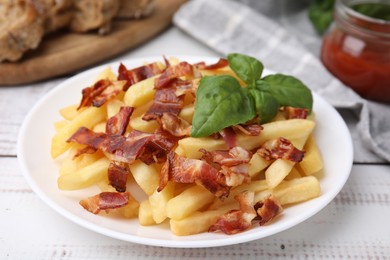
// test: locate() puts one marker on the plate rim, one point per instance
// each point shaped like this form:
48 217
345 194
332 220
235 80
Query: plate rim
228 240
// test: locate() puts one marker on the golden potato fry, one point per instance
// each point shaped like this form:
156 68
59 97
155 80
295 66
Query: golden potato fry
113 107
145 214
107 73
189 201
140 93
159 200
139 124
70 112
60 124
187 113
87 118
257 164
71 165
84 177
146 176
312 161
199 221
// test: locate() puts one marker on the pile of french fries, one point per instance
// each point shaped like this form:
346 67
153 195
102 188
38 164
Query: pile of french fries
189 208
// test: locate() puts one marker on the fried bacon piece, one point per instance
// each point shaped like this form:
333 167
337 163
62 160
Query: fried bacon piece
234 164
105 201
221 63
185 170
117 124
186 86
239 220
280 148
165 101
117 176
174 125
100 92
147 147
252 130
229 136
172 72
137 74
267 210
295 112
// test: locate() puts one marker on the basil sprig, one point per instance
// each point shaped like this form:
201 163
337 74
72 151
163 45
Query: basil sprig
221 101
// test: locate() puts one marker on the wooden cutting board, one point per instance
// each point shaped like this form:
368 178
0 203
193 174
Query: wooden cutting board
65 52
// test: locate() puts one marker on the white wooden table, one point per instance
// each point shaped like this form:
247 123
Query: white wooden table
355 225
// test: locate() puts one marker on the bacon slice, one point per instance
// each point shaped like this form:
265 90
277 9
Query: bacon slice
105 201
100 92
280 148
267 210
117 124
252 130
229 136
186 86
172 72
234 164
145 146
221 63
174 125
185 170
137 74
295 112
239 220
165 101
117 176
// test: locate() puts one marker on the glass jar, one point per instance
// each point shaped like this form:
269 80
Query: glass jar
356 49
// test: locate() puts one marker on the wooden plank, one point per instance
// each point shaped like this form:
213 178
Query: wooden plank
66 52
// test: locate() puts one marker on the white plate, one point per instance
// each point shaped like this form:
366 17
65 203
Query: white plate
41 171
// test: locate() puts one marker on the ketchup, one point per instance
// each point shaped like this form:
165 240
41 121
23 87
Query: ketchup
357 51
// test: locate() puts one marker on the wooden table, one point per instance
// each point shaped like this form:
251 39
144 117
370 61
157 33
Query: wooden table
355 225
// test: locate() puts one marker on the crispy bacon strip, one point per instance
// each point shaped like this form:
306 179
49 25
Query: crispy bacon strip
221 63
233 157
295 112
172 72
117 176
239 220
280 148
252 130
100 92
175 125
229 136
165 101
145 146
105 201
137 74
185 170
234 164
117 124
267 210
186 86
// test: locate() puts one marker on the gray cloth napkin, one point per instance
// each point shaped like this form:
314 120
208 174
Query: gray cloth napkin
230 26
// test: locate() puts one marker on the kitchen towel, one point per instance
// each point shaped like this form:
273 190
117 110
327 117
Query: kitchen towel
248 27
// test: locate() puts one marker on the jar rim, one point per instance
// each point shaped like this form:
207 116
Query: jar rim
360 22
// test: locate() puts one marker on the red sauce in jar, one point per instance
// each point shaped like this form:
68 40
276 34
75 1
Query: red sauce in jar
357 51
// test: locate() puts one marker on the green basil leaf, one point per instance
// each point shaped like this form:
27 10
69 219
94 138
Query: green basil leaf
220 102
321 14
266 105
287 90
247 68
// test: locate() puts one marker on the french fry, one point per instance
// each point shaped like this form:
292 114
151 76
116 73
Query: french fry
145 214
189 201
187 113
139 124
159 200
84 177
70 112
60 124
199 221
100 128
87 118
71 165
107 73
146 176
257 164
293 191
280 168
292 129
312 161
113 107
293 174
140 93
